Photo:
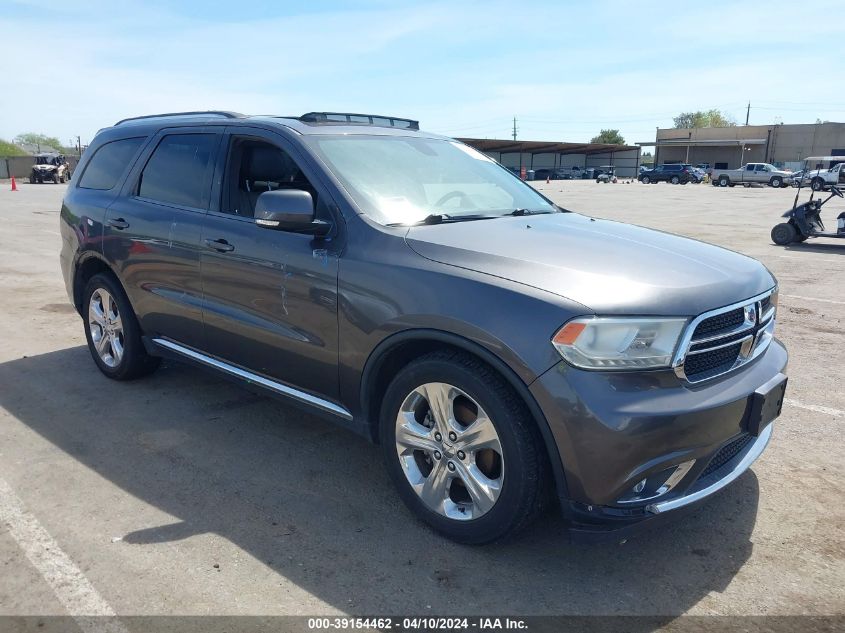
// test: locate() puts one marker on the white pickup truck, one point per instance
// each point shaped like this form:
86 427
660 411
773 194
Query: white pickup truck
762 173
820 179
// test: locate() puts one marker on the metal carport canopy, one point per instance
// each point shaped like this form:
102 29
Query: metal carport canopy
542 147
683 142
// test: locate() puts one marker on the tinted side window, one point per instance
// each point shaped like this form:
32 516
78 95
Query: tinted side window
179 170
108 163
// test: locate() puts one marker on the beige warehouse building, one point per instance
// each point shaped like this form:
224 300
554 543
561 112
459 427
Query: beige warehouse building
731 147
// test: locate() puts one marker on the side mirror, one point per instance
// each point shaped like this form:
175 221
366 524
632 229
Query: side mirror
288 210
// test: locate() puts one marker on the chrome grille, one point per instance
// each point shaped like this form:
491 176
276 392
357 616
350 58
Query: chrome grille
720 322
722 340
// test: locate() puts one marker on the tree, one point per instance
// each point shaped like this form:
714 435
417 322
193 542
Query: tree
611 137
710 118
41 141
10 149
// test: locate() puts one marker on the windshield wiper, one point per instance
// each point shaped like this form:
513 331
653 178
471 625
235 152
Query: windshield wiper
527 212
442 218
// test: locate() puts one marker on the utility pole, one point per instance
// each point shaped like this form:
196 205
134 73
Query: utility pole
748 113
79 146
514 128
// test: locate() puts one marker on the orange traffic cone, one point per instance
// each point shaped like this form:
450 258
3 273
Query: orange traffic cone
14 184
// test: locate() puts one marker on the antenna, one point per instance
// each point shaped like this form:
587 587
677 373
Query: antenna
514 128
748 113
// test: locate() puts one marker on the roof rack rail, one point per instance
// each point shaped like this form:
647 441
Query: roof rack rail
221 113
359 119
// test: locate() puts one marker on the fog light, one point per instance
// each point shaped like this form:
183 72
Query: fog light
640 487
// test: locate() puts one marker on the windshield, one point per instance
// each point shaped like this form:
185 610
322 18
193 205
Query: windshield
403 180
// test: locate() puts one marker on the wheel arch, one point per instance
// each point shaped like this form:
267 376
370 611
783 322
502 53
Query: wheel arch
399 349
87 267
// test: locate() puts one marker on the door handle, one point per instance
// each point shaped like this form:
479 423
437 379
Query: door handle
118 223
219 245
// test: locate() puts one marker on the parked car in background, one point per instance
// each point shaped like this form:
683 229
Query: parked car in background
674 173
752 173
799 178
697 175
50 167
618 372
821 179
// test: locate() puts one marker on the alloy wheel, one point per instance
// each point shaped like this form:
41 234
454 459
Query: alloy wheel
106 327
449 451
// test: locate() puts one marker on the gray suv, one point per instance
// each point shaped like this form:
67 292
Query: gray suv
507 355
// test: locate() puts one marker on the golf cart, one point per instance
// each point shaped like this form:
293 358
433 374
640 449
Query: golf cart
804 220
50 166
606 174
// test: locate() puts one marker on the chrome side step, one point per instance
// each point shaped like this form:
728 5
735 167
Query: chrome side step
248 376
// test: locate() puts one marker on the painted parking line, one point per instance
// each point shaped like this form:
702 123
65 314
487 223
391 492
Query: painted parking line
836 413
842 303
76 593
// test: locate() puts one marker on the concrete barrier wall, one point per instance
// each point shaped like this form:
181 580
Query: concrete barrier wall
21 166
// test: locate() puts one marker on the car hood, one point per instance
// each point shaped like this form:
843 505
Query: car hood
609 267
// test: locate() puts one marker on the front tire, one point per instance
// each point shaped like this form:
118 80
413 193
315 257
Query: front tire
112 331
646 180
776 182
462 449
675 180
783 234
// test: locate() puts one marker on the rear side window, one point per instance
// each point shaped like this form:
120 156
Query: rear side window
108 163
179 171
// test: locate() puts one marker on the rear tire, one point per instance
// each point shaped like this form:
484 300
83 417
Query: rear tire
112 331
471 392
724 181
784 233
817 184
674 180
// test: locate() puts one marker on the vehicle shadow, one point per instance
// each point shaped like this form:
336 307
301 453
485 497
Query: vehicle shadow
817 247
314 503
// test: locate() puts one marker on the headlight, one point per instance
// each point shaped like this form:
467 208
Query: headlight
619 342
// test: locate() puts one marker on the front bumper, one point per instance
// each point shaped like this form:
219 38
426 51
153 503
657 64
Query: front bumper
614 430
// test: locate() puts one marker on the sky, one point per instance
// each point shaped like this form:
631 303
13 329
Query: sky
564 69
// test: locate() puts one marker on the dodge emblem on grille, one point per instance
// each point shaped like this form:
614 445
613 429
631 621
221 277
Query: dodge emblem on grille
751 313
